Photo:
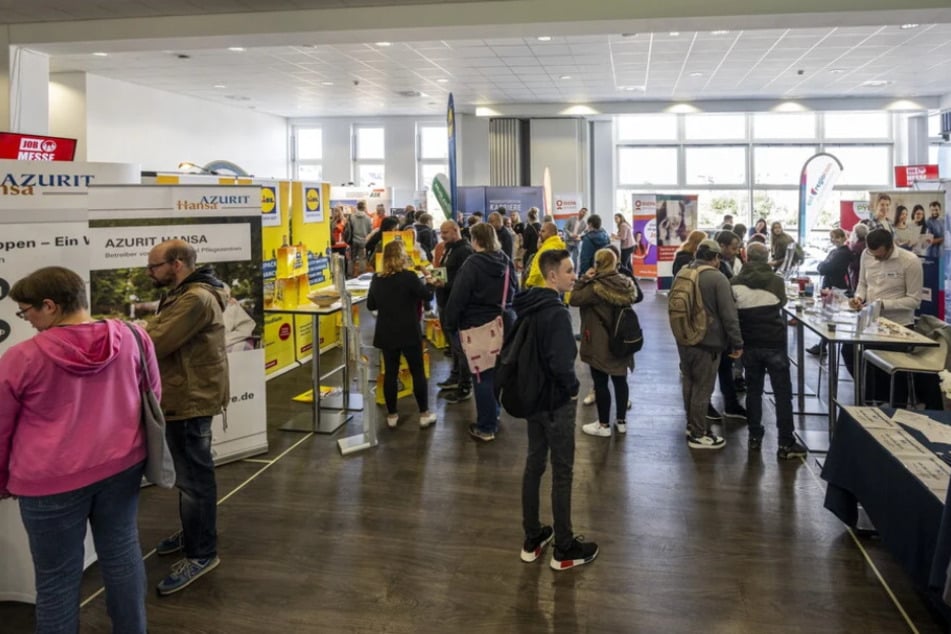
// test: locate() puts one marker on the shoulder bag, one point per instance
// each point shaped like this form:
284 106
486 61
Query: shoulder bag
159 466
483 343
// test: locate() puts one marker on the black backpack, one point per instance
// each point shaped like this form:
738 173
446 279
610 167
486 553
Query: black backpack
624 331
521 384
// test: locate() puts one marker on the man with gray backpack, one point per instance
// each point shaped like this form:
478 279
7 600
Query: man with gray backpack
704 322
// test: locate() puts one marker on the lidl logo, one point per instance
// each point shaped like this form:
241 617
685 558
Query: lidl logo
312 199
268 200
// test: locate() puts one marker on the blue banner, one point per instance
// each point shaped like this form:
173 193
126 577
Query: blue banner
519 199
471 200
451 129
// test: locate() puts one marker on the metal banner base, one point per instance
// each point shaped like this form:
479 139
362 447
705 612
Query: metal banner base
367 438
353 444
336 401
329 422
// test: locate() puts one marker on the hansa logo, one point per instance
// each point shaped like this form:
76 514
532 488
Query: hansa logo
268 200
312 199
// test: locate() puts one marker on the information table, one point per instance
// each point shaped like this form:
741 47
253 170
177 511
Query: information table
890 462
336 412
844 332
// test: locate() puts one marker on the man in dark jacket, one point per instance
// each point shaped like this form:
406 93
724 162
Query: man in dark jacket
760 295
729 246
425 236
457 250
835 273
593 239
505 238
553 429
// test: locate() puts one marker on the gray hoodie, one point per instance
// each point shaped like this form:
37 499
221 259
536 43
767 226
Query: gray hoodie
723 333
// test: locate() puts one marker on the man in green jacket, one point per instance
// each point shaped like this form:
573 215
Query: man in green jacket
189 338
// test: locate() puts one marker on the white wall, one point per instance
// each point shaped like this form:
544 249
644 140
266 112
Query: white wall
472 150
67 116
128 123
560 145
29 98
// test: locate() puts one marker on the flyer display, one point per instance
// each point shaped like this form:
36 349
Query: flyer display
223 224
645 236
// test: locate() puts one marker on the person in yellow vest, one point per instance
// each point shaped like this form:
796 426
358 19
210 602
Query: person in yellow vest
550 242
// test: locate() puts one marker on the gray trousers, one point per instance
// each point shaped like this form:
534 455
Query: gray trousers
698 368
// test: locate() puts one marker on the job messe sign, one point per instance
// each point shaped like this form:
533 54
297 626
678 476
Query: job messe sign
32 147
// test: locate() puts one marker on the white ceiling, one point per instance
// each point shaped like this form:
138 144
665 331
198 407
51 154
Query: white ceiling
365 78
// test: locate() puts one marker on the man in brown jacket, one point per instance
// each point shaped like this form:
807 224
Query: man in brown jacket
189 338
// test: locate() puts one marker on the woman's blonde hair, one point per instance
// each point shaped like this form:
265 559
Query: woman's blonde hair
485 235
693 241
605 260
394 258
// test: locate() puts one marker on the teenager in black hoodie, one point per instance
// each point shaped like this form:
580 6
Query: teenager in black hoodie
553 429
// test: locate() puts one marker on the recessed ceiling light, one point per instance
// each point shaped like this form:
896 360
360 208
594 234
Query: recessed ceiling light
383 44
674 33
442 80
220 86
837 71
326 83
236 49
696 74
718 32
565 77
544 38
875 83
909 26
628 34
632 88
101 54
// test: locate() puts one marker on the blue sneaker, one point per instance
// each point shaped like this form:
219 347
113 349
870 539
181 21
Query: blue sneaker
170 545
184 572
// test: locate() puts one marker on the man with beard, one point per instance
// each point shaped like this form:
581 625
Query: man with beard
189 337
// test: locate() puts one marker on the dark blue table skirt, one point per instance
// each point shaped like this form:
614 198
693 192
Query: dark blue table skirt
911 521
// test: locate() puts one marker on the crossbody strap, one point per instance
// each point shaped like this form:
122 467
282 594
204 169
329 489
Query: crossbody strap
142 364
505 290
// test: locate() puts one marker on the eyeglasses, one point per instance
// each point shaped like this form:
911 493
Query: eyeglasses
22 313
152 267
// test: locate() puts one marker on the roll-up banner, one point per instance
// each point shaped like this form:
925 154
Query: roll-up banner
676 218
645 236
817 179
223 224
566 206
451 131
917 221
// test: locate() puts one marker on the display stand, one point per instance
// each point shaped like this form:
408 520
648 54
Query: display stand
347 401
367 438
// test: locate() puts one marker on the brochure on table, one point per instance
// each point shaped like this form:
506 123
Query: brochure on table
224 226
42 222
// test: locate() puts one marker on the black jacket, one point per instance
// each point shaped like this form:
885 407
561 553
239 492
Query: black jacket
681 259
455 254
505 240
476 296
556 340
835 268
760 295
397 299
426 238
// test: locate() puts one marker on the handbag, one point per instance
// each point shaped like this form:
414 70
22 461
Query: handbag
482 344
159 466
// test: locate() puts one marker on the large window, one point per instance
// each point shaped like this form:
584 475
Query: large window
369 150
749 165
309 153
647 166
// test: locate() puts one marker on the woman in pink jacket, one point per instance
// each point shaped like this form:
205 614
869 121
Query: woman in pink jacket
72 448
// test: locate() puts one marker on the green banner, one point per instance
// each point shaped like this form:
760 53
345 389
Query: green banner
441 192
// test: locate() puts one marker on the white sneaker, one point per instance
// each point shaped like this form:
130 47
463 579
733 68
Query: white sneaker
621 427
391 420
707 441
630 405
595 429
426 419
589 399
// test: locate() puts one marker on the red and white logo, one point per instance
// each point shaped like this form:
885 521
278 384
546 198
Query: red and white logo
49 145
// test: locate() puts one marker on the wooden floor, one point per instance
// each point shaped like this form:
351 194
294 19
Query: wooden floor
422 533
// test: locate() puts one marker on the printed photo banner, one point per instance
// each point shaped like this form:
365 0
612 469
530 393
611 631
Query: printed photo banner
223 224
676 218
645 236
852 212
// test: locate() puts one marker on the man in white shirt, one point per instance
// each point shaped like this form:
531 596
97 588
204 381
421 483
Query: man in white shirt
894 277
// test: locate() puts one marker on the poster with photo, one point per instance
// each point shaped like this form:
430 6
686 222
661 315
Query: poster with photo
223 224
676 218
645 236
917 220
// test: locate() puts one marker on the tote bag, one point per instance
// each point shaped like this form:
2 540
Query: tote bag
159 466
482 344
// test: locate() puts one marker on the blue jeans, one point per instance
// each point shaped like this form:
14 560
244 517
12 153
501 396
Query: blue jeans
758 362
487 408
190 443
554 431
56 527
